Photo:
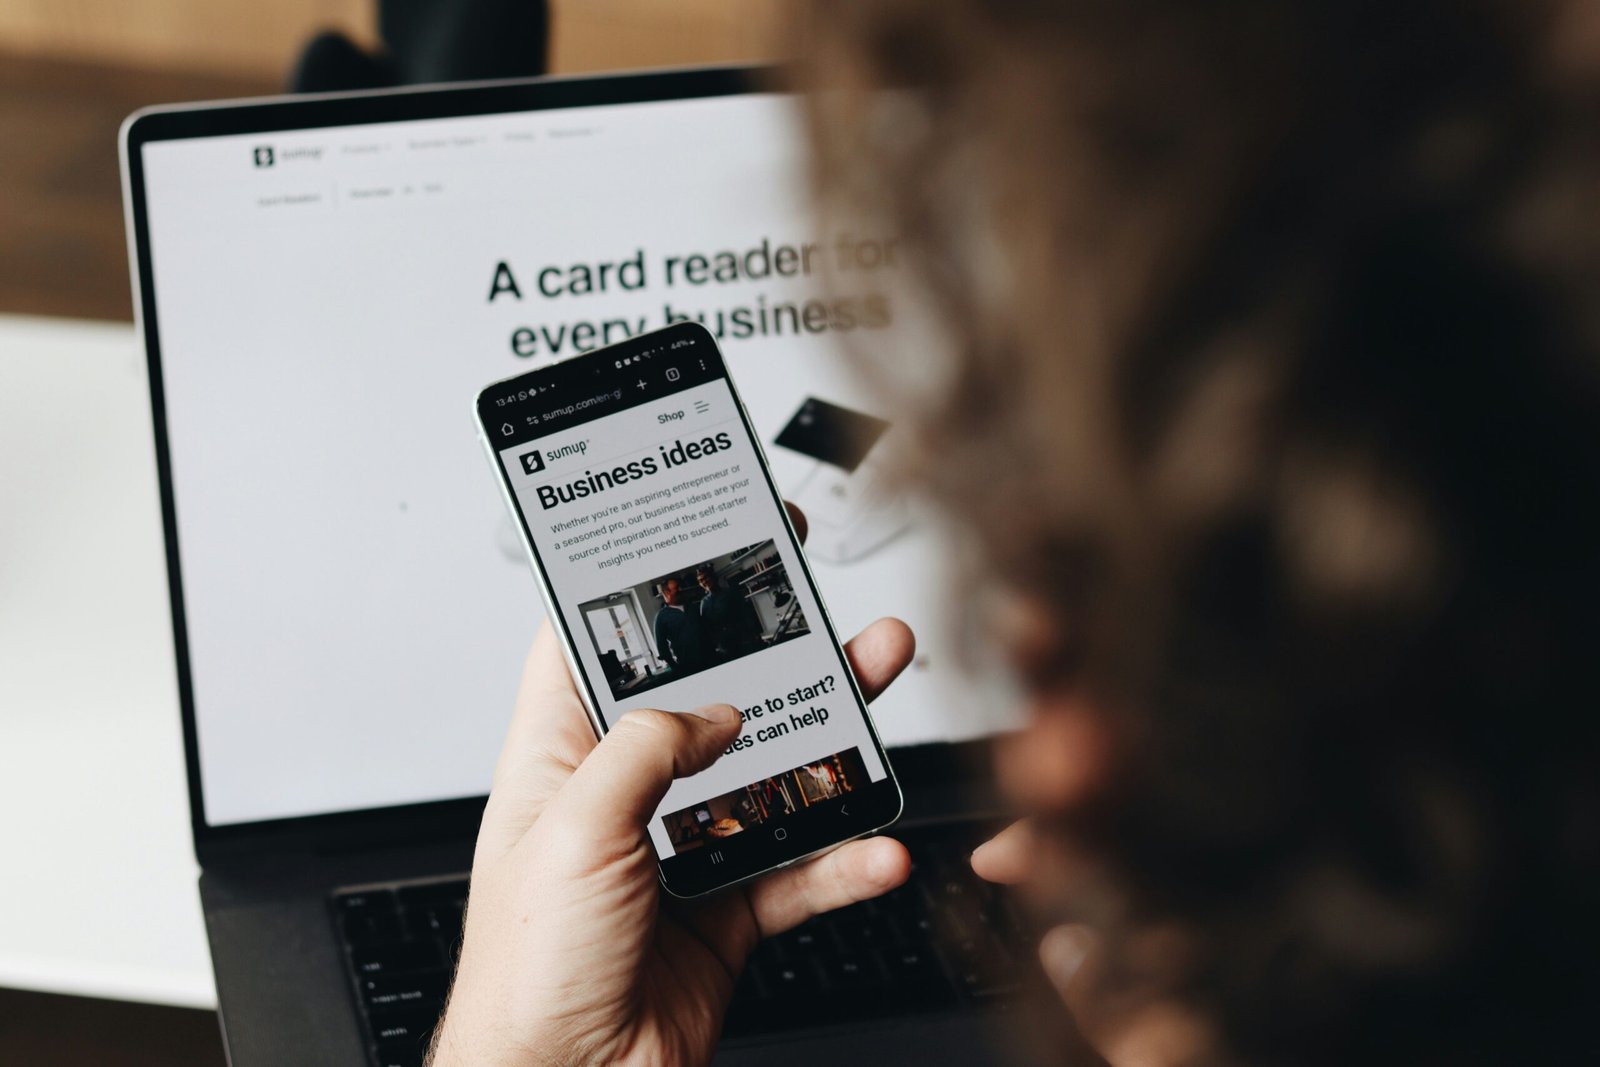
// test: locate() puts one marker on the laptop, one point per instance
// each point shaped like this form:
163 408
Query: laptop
323 284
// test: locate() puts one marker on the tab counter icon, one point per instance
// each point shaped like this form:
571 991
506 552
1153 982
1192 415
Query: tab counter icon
532 462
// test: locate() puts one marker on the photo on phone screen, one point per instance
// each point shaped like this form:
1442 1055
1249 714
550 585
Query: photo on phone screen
675 580
694 618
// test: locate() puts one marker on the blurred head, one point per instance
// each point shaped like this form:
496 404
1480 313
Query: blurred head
671 592
707 578
1267 399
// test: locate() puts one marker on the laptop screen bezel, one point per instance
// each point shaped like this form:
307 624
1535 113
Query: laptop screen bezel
957 764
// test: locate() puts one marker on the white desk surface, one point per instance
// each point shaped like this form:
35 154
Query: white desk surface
97 871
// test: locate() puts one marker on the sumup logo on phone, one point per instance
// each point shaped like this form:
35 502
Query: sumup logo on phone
533 462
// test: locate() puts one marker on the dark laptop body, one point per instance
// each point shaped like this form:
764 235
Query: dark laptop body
285 995
285 988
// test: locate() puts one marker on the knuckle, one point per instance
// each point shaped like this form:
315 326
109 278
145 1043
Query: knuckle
568 844
827 887
652 725
841 885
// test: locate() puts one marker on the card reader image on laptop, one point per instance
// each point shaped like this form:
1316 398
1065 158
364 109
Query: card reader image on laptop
851 510
348 633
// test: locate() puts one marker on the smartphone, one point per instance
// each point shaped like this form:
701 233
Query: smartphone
674 578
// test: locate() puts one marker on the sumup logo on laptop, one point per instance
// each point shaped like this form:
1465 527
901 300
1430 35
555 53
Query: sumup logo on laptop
263 155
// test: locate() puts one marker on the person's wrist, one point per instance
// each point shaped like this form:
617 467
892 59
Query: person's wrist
443 1051
456 1044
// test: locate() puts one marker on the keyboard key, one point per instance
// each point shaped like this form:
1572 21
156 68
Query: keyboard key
864 932
913 966
404 991
1009 924
805 940
850 973
396 959
441 923
794 979
984 988
400 1055
959 919
367 901
396 1027
364 928
433 894
985 970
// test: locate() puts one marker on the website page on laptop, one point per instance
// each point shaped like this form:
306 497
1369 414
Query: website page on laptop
329 303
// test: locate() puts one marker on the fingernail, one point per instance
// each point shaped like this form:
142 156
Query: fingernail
1063 950
721 714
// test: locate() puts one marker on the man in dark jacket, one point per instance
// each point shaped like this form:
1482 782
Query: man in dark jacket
680 635
731 625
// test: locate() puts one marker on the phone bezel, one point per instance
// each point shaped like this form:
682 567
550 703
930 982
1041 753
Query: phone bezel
877 805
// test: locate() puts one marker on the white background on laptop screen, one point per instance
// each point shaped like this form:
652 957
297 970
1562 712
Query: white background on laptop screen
357 612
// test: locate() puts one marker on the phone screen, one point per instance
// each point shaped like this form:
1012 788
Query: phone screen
670 567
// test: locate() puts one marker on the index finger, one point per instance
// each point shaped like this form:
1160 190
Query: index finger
798 519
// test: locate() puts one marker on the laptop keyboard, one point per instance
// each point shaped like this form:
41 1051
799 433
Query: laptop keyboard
944 941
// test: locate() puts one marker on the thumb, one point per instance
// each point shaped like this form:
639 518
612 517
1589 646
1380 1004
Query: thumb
619 785
1063 951
1147 1030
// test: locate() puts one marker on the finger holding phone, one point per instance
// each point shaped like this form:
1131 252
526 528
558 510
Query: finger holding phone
570 952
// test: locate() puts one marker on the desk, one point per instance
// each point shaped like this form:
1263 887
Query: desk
98 890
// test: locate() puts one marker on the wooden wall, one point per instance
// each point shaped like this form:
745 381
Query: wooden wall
262 37
609 34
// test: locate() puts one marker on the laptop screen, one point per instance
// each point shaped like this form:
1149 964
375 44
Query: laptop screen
328 303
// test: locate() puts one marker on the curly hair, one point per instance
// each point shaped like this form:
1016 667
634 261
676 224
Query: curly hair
1266 350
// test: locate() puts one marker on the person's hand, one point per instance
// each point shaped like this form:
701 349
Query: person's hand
1117 1028
571 954
1064 761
